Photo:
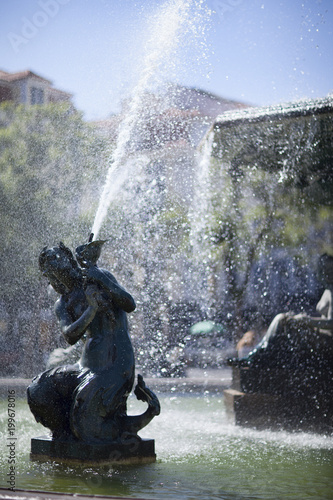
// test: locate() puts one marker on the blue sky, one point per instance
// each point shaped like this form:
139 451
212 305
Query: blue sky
256 51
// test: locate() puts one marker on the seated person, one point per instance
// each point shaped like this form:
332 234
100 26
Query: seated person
298 340
246 344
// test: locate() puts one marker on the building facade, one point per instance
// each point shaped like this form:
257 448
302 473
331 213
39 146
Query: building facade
28 88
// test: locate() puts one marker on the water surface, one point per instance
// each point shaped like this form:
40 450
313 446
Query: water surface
199 455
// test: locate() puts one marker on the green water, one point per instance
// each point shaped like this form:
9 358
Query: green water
199 456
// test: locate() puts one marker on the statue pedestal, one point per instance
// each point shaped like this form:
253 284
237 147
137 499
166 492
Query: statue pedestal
44 448
260 411
298 400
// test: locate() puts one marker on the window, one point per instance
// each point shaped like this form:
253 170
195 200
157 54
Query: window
36 95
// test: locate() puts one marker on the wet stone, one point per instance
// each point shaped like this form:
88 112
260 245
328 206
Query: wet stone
44 448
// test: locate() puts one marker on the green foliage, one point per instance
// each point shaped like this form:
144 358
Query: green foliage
48 159
267 195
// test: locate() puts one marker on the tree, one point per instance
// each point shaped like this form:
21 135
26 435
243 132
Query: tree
269 180
48 159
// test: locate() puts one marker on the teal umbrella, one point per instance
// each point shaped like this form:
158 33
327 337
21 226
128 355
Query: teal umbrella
206 328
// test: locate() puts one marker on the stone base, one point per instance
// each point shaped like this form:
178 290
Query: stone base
253 410
266 411
44 448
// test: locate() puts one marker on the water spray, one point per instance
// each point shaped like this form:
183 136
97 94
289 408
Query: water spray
165 35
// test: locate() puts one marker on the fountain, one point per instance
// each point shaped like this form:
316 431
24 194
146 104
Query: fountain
200 453
286 379
84 405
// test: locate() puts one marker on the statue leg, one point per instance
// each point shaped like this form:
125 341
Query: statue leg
50 398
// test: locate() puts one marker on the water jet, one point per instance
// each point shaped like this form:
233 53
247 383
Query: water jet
199 452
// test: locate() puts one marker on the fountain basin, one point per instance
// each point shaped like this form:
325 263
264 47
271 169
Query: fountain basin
200 455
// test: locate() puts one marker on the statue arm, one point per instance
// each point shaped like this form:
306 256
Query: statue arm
309 321
73 331
323 323
119 296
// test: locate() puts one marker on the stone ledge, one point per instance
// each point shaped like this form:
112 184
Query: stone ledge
16 494
272 412
254 410
18 384
44 448
197 381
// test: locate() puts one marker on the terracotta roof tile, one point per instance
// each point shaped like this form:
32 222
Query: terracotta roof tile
20 75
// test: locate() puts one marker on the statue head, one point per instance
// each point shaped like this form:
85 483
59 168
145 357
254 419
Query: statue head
60 267
89 253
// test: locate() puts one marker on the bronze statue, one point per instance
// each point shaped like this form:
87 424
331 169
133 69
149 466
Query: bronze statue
297 344
87 401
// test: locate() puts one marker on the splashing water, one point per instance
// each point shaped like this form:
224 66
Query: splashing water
201 209
172 22
200 216
200 456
